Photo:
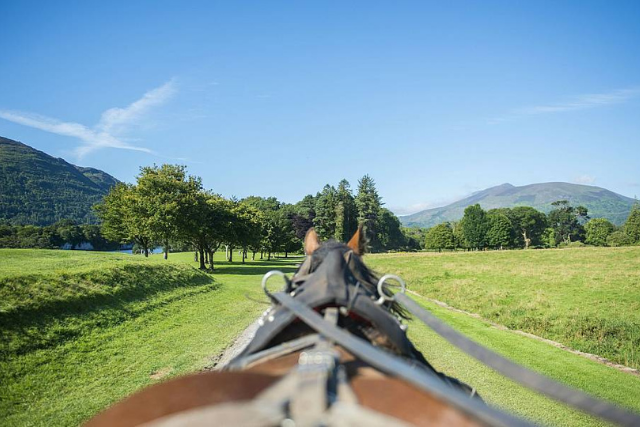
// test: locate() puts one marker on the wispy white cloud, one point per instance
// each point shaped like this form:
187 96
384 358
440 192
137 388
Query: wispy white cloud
108 132
582 102
584 179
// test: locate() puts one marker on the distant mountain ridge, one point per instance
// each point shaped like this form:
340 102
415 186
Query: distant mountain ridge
38 189
600 202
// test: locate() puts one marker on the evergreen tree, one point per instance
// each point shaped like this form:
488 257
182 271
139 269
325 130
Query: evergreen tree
369 203
632 226
325 219
346 212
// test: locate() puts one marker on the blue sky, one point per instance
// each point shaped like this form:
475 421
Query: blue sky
433 99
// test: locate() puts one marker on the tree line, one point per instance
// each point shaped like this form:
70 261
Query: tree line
168 207
65 233
524 227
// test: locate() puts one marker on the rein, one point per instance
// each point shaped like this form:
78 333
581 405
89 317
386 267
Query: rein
426 380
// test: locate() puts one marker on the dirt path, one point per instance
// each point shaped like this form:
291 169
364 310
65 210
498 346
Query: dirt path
220 361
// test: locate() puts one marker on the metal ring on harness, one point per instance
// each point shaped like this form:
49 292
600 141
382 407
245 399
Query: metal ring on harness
267 276
384 297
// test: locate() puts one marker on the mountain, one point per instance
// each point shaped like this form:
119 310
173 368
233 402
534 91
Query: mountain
600 202
38 189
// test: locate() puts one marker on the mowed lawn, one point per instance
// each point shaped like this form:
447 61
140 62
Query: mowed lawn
82 330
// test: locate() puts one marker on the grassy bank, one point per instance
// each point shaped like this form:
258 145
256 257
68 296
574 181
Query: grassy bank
585 298
82 330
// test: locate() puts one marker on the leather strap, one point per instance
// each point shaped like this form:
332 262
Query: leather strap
520 374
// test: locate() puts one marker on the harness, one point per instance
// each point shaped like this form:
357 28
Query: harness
317 392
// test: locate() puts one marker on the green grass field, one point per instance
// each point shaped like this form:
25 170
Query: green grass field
585 298
82 330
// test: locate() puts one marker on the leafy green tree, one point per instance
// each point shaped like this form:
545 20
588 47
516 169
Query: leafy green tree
245 227
459 241
439 237
165 191
126 217
618 238
414 237
475 226
528 223
69 232
548 238
567 221
597 231
206 224
368 203
278 232
632 225
389 231
499 231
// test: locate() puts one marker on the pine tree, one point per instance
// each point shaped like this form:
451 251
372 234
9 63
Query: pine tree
632 226
325 219
369 203
346 212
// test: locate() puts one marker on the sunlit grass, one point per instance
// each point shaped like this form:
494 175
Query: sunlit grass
586 298
82 333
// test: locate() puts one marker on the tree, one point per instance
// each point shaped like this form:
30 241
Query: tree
474 226
499 231
125 217
414 237
567 221
632 225
528 223
459 240
245 227
206 224
389 231
326 207
165 191
346 212
278 232
302 217
439 237
368 203
618 238
597 231
548 238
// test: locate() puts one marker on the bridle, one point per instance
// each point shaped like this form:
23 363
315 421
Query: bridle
319 372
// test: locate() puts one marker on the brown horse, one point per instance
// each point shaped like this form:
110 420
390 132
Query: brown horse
331 350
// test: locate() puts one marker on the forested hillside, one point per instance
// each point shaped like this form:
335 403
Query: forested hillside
600 202
36 188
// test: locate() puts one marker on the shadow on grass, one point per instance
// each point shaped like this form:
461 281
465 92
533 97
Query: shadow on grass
257 268
79 303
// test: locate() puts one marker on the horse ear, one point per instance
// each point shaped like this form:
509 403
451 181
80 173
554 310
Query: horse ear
357 242
311 241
